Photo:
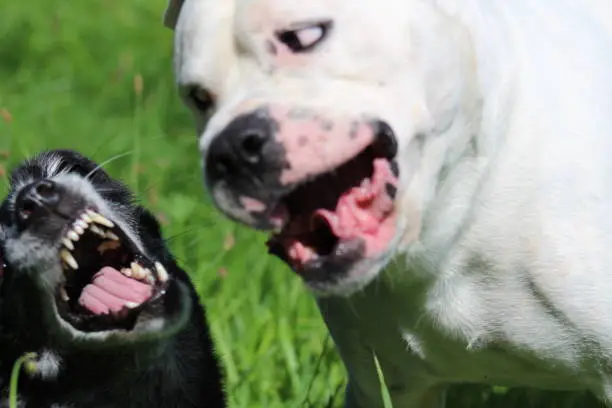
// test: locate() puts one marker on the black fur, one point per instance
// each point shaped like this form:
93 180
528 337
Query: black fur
178 370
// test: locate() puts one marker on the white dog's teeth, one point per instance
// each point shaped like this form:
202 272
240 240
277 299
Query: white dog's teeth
69 259
86 218
100 219
131 305
162 274
72 235
64 294
68 244
112 236
97 231
78 229
127 272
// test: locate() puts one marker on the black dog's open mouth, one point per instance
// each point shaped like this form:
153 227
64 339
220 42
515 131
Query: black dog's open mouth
107 280
342 215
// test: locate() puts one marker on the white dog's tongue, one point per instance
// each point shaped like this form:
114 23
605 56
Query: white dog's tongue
361 211
111 291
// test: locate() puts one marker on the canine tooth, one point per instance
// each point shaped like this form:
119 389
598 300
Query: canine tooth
100 219
72 235
127 272
97 231
162 274
86 218
112 236
69 259
68 244
137 270
64 294
78 230
131 305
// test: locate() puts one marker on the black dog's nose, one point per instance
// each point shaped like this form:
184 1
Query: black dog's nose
34 200
246 148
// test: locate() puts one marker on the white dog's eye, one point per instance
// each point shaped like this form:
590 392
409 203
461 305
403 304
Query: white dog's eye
200 98
305 37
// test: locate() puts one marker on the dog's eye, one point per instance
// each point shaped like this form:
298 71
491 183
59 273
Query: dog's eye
200 98
305 37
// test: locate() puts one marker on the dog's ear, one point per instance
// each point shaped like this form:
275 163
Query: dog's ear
172 13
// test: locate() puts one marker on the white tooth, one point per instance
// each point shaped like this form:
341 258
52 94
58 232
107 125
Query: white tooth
127 272
108 245
112 236
131 305
138 271
162 274
78 230
72 235
148 276
86 218
69 259
81 223
64 294
68 244
97 231
99 219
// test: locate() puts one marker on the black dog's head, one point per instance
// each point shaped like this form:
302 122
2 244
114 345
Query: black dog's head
85 266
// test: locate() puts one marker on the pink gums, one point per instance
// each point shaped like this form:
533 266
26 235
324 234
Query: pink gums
364 212
111 291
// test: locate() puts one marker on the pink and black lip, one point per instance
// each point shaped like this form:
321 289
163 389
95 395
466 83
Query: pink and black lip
325 222
106 283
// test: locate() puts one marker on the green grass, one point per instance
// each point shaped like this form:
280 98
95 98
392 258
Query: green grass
96 76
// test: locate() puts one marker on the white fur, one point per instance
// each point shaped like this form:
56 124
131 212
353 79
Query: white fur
48 366
502 272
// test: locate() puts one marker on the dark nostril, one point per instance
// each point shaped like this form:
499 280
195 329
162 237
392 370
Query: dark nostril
252 145
223 166
37 195
46 190
26 209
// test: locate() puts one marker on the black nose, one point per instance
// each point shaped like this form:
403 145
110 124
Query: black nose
35 200
245 149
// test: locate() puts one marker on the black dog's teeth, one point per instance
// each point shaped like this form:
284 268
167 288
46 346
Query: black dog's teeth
92 222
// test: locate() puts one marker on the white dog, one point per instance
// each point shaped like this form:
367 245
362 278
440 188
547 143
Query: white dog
439 172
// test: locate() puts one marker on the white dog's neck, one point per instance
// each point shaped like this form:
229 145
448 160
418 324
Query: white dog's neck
461 87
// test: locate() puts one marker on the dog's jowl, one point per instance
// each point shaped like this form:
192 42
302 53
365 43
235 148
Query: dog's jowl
89 286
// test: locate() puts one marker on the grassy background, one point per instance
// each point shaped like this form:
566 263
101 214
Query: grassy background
96 76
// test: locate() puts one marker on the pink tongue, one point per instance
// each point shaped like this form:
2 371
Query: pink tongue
362 212
111 291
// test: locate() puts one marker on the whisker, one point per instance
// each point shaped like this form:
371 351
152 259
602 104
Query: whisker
113 158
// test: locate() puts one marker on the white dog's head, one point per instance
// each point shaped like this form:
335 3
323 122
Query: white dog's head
314 118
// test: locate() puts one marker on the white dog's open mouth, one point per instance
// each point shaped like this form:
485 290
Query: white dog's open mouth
107 280
341 216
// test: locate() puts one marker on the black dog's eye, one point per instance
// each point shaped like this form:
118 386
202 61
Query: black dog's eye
305 37
200 98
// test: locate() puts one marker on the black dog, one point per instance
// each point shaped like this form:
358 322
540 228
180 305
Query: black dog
90 286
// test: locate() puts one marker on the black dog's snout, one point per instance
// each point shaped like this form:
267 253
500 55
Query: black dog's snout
34 200
246 148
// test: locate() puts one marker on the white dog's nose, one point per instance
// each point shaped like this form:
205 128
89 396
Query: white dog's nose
246 150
